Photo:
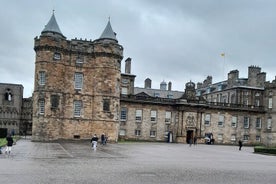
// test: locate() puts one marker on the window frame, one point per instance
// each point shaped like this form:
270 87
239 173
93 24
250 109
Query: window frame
106 105
57 56
137 132
42 78
246 120
152 133
168 117
234 121
153 115
207 118
123 116
221 120
258 123
138 115
41 107
78 78
124 91
270 102
269 123
77 108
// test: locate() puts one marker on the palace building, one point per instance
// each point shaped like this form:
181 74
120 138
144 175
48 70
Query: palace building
79 90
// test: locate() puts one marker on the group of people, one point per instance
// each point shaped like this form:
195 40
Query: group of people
95 139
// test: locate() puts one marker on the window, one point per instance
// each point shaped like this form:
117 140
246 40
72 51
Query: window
137 132
156 94
124 91
169 96
246 122
220 137
269 123
221 121
124 81
257 99
57 56
106 105
207 119
79 60
233 137
42 77
246 137
168 117
153 115
258 138
152 133
8 95
258 123
41 106
77 108
257 102
138 115
122 132
123 114
270 102
78 80
54 101
234 121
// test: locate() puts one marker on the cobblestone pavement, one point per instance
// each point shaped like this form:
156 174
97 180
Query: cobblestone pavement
133 163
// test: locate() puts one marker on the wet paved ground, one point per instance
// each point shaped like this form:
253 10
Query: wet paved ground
134 163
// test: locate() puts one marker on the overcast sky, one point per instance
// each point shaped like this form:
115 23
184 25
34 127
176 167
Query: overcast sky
170 40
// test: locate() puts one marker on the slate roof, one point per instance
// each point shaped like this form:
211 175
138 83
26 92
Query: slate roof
52 26
158 92
108 32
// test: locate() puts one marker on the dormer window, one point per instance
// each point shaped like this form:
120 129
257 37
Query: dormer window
219 87
57 56
156 94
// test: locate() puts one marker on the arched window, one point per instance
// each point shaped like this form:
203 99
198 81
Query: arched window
8 95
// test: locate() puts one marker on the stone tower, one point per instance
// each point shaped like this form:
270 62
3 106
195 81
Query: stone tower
77 85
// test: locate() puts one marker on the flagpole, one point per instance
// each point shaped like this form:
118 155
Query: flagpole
223 67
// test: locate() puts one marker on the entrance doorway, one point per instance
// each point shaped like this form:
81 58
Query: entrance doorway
189 136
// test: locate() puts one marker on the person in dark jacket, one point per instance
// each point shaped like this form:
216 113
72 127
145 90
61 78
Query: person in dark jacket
103 139
9 144
240 145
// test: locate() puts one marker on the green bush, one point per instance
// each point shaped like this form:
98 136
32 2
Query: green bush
267 150
3 142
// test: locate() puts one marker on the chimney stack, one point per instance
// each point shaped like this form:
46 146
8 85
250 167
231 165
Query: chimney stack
148 83
170 86
128 66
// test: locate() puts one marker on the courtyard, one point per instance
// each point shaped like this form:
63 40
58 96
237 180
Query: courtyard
133 163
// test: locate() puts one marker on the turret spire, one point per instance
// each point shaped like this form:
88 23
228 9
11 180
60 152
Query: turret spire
52 27
108 32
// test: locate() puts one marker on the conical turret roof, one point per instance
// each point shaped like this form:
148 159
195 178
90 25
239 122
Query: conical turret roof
108 32
52 27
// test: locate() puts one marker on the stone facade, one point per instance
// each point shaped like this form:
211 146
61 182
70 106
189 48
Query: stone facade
26 117
231 110
77 87
11 96
80 90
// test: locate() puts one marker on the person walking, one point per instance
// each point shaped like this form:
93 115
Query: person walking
240 145
94 142
9 144
103 139
195 140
